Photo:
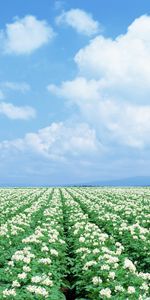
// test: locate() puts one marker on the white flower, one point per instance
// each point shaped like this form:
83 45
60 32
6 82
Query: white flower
89 264
9 292
105 267
27 260
26 269
96 280
118 244
47 282
18 257
144 286
131 290
128 264
145 276
111 259
54 252
36 279
11 263
119 288
45 261
143 237
37 290
22 275
15 283
106 293
119 251
112 275
45 248
81 239
116 265
82 249
62 241
96 250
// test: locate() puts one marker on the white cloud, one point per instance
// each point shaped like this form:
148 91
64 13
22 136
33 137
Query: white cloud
16 112
126 123
123 122
77 89
80 20
112 89
16 86
57 141
25 35
123 61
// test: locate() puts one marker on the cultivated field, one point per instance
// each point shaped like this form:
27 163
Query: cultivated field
75 243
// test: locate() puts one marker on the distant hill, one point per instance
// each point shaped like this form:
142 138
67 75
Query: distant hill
133 181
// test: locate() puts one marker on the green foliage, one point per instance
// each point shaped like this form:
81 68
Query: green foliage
86 242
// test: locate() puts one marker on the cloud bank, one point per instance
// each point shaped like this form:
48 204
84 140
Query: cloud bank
57 141
112 88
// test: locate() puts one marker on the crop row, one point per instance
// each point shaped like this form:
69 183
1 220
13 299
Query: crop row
125 228
71 243
101 267
35 269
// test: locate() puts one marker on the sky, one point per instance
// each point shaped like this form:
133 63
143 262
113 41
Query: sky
74 91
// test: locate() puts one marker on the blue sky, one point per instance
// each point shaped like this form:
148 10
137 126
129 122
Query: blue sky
74 91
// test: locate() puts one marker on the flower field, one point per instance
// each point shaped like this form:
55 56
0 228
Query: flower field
75 243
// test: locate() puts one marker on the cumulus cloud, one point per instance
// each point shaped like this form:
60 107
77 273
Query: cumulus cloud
112 89
17 112
25 35
80 20
126 123
57 141
124 61
77 89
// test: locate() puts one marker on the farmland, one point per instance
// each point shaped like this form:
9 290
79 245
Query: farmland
75 243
